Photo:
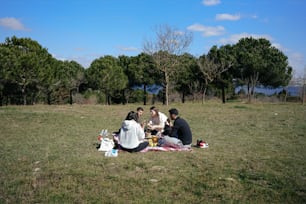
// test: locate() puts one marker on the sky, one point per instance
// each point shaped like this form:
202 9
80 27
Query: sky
85 30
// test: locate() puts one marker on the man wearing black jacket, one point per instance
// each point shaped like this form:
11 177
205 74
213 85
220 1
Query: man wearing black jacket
180 128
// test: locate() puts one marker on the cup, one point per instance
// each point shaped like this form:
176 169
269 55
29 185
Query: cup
151 144
154 140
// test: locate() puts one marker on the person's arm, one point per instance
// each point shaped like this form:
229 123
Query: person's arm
174 129
140 132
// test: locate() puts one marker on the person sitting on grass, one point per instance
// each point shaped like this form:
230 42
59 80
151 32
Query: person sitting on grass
139 111
131 136
180 135
157 121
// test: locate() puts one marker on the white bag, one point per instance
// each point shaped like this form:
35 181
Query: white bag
106 145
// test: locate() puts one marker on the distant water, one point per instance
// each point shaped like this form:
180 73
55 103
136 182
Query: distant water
292 90
152 89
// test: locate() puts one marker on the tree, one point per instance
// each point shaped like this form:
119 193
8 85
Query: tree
142 72
108 76
48 82
22 63
168 44
186 76
70 75
7 60
209 70
258 62
214 65
124 62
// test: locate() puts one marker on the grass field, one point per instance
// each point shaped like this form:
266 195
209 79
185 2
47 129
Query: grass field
256 154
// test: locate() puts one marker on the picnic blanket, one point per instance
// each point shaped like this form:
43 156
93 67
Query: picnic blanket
165 149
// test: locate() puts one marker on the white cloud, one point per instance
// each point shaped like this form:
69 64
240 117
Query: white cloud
254 16
179 32
228 17
84 60
12 23
235 38
297 61
129 49
207 30
278 46
211 2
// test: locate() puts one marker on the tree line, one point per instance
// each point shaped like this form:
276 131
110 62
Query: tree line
29 74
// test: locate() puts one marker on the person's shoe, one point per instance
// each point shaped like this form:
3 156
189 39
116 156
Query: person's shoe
198 143
201 144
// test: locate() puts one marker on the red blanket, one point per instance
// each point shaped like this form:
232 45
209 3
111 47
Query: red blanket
165 149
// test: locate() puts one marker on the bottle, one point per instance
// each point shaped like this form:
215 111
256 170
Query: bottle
100 137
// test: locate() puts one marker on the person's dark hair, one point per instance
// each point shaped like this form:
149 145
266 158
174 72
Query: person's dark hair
156 110
132 116
173 111
140 109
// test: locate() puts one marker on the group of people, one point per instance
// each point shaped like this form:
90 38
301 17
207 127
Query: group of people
131 136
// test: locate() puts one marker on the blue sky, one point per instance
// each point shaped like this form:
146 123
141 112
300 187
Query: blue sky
84 30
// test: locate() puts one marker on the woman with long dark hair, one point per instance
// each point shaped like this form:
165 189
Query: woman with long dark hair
131 137
157 121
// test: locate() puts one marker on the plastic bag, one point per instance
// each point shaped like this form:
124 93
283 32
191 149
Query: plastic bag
106 144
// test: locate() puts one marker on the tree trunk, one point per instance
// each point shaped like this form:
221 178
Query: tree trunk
285 97
253 80
153 99
49 98
204 91
24 96
1 99
204 95
303 94
106 99
223 94
123 97
164 96
145 94
183 97
7 100
70 97
249 94
167 88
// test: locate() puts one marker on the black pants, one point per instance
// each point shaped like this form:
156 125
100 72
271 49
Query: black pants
140 147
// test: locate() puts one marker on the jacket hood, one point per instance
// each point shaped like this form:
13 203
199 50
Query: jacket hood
127 124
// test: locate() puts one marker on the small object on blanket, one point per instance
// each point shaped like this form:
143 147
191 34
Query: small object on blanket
154 140
150 142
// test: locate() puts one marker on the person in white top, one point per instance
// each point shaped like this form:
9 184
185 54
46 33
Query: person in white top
131 136
157 121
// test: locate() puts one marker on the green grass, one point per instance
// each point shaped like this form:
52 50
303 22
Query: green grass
256 154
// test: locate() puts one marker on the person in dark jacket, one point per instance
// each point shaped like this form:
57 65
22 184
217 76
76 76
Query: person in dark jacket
180 135
180 128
